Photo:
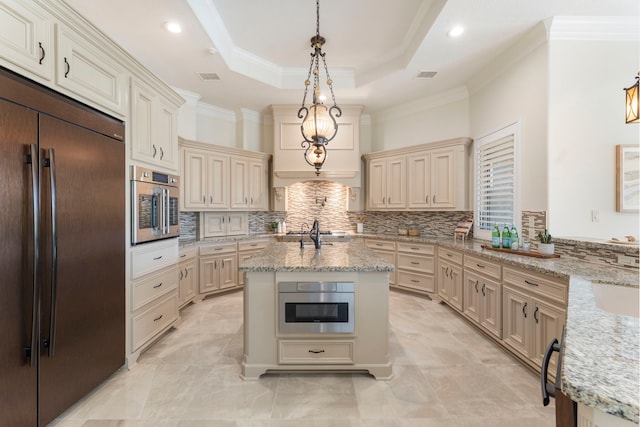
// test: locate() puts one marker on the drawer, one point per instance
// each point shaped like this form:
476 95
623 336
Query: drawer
146 290
414 248
382 245
482 266
295 352
150 257
424 264
450 255
187 253
420 282
554 290
252 245
153 320
218 248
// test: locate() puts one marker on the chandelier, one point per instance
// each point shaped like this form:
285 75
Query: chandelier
319 124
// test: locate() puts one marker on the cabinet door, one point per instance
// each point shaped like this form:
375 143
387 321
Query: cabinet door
491 306
217 178
397 183
187 287
442 179
258 185
515 327
26 38
86 70
214 223
377 189
455 287
228 265
471 295
443 280
195 196
143 146
242 257
239 183
166 132
419 182
547 322
209 275
237 223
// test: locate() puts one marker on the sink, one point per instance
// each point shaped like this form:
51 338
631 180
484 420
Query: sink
312 246
617 299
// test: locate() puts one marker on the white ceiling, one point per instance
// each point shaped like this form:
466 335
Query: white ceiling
374 48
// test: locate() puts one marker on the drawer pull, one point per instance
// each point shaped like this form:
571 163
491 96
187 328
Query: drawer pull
379 244
186 273
531 283
157 258
415 263
415 281
415 249
480 265
316 351
535 314
157 286
476 286
218 249
483 285
183 255
253 244
181 275
449 255
158 318
524 310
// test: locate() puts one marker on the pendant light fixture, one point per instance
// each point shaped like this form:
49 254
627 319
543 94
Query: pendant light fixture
319 124
632 101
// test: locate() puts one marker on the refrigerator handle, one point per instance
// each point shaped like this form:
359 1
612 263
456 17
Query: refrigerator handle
548 389
54 253
31 352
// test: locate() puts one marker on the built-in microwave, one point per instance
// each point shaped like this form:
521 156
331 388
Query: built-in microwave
155 207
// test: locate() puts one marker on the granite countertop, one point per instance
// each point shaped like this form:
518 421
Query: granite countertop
288 256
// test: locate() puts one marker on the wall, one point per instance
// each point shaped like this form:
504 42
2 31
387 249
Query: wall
586 122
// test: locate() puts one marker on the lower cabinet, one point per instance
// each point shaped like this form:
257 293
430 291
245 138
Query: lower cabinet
450 277
482 294
534 314
415 263
387 250
187 276
246 250
218 267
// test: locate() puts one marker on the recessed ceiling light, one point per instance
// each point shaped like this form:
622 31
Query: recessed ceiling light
173 27
456 31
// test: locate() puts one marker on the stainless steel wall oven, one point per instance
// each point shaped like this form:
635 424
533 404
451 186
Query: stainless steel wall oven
155 207
316 307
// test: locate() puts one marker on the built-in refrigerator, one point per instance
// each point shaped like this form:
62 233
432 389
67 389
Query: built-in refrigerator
62 251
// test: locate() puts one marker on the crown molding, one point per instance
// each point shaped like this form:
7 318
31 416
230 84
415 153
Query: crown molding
604 28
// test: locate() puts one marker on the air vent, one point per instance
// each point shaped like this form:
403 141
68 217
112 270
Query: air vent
208 76
426 74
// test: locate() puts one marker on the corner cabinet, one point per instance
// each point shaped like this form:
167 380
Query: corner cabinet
216 178
431 176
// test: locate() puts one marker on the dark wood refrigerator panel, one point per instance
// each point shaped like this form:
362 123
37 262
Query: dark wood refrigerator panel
86 344
18 380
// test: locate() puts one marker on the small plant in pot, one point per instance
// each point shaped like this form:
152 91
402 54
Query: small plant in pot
545 246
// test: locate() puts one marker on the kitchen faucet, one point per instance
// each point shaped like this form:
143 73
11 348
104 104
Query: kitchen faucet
315 234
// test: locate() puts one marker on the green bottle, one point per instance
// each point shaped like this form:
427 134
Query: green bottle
514 234
495 236
506 237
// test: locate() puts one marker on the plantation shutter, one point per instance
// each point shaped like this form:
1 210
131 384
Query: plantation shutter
495 184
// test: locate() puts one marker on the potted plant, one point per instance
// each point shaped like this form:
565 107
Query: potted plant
545 246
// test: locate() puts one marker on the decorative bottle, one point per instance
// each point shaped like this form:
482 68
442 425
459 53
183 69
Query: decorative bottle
514 236
506 237
495 237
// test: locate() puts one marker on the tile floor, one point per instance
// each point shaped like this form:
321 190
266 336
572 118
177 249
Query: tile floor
446 374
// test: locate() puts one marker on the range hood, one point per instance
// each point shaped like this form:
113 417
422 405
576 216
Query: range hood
343 162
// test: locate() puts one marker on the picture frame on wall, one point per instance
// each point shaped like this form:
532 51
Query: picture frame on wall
627 178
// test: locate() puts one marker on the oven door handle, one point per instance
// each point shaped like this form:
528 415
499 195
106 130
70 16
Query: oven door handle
548 389
166 205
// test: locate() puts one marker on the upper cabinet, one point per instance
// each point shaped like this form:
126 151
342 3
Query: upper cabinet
155 134
216 178
430 176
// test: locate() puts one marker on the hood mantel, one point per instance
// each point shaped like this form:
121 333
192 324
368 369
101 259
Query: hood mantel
343 162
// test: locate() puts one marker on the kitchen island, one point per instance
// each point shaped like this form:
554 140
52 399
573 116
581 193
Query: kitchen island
270 345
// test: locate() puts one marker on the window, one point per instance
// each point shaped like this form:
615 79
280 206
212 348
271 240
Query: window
497 195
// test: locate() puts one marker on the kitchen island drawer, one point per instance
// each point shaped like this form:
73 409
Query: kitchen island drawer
294 352
381 245
419 282
153 320
416 263
146 290
415 248
555 290
482 266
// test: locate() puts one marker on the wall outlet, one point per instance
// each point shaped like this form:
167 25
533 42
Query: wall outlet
595 215
629 261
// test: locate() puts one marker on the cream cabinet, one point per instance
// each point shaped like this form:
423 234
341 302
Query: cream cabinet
218 178
85 69
534 313
429 176
218 267
155 134
247 249
415 264
187 276
26 39
387 250
218 224
482 294
387 183
450 277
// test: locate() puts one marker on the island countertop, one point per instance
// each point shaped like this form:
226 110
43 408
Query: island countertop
337 256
